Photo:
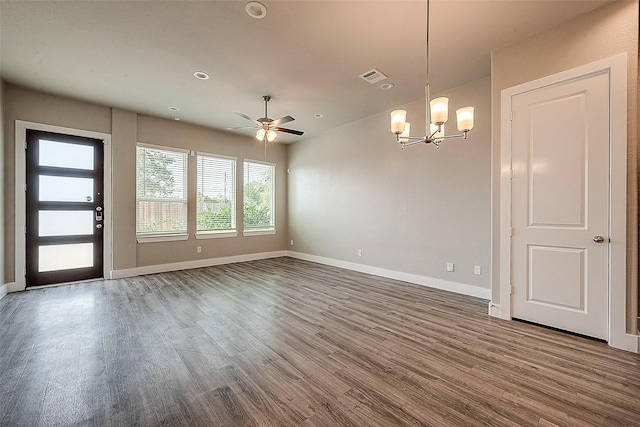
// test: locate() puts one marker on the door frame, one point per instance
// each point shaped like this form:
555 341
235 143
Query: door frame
616 67
20 199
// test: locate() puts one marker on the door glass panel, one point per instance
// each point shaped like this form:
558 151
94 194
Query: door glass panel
64 155
63 257
65 223
65 189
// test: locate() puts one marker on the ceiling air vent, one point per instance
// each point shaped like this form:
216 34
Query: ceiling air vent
373 76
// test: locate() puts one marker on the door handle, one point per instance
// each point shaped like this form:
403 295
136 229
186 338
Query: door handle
598 239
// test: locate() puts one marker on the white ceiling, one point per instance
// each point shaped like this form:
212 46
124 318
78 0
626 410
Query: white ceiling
141 55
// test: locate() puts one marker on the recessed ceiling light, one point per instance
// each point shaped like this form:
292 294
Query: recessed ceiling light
201 75
318 115
256 10
174 109
386 86
176 119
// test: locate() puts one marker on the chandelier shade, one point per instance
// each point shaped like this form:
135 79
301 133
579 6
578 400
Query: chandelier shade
465 118
439 110
398 121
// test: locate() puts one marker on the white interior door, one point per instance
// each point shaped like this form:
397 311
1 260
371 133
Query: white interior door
560 205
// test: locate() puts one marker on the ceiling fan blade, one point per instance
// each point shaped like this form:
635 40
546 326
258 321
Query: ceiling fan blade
281 120
248 118
295 132
242 127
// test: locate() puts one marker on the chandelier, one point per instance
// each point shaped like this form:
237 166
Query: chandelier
437 114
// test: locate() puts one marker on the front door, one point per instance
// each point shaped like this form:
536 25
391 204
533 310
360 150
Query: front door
560 205
64 208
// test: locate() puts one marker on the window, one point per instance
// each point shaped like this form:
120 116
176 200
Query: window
259 197
161 192
216 200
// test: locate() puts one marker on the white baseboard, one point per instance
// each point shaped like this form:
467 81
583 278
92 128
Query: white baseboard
494 310
632 343
14 287
163 268
3 290
459 288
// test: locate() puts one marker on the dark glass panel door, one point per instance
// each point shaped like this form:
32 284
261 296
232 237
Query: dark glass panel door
65 215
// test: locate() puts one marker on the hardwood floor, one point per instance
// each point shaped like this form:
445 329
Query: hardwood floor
285 342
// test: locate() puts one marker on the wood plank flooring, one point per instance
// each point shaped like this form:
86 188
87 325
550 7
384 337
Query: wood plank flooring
284 342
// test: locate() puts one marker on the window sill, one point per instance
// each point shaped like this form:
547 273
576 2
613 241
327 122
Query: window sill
161 238
259 232
215 234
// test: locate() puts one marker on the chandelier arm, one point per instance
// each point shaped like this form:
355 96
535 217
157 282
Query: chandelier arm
414 140
409 144
459 135
410 138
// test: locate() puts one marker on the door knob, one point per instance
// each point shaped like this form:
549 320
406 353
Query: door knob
598 239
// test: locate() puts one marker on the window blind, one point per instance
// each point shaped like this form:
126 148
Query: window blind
259 196
216 202
161 190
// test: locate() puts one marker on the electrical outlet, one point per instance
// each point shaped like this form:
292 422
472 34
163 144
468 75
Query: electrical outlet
199 249
449 266
291 242
359 252
477 270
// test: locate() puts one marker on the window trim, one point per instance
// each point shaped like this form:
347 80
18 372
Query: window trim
262 231
214 234
218 234
168 236
153 238
259 232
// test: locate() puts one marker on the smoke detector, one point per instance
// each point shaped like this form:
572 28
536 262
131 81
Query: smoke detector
256 10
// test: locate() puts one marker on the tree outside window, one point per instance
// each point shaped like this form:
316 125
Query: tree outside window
161 190
216 194
259 196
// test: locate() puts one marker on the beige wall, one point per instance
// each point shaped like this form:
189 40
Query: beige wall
126 128
27 105
409 210
602 33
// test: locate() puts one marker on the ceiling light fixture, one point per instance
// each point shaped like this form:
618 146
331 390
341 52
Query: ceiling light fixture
437 113
201 75
174 108
318 115
270 134
386 86
256 10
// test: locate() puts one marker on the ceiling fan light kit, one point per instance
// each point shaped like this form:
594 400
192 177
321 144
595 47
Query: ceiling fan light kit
267 128
437 114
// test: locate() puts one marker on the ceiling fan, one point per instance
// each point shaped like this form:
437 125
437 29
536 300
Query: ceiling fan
267 127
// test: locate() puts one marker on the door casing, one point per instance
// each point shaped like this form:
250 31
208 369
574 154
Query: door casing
616 66
20 201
